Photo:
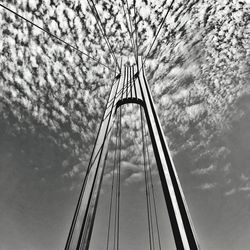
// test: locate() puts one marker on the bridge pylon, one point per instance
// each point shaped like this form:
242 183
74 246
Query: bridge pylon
131 87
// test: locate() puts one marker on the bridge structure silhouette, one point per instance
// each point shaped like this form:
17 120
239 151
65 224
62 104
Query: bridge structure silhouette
131 86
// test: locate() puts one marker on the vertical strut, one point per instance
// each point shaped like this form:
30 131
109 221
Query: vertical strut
119 180
184 234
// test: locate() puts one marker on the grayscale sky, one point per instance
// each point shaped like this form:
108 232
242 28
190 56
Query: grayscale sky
52 99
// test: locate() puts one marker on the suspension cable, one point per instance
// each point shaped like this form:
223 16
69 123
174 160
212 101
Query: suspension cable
153 193
87 174
150 206
129 16
56 37
157 33
99 23
112 186
146 184
149 185
117 194
129 28
136 31
115 219
119 181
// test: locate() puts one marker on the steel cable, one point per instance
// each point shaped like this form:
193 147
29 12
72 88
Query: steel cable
112 188
56 37
99 22
157 33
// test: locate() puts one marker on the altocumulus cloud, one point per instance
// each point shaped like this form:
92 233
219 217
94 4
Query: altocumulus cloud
197 71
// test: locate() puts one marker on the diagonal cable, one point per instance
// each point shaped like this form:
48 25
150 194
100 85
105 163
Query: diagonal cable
87 174
99 23
136 30
56 37
119 181
157 33
129 28
130 22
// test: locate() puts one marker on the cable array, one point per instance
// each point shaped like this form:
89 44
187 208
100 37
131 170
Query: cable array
134 42
112 187
136 31
56 37
129 27
159 29
115 196
99 23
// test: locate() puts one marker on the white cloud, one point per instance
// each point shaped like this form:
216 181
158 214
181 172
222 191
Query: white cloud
243 177
78 169
227 168
230 192
246 188
65 163
203 171
207 186
33 4
194 110
125 165
134 178
108 177
183 93
212 88
222 152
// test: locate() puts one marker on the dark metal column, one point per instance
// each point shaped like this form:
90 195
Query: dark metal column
180 219
81 228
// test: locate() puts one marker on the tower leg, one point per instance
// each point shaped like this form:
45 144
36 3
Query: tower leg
82 225
180 219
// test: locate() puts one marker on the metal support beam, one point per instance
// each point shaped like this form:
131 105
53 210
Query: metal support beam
183 230
81 228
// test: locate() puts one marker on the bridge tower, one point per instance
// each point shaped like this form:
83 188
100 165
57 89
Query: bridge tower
131 87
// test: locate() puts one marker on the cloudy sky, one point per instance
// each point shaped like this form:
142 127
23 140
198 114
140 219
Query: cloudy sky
52 99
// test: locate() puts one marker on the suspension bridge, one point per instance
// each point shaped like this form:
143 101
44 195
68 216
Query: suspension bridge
129 86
